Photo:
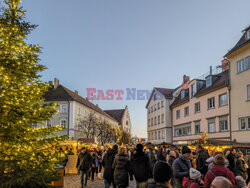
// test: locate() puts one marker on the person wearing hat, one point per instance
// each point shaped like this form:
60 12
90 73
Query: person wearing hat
218 169
194 180
83 165
162 173
181 166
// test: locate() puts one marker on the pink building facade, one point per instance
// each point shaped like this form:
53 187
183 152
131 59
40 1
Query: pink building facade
202 106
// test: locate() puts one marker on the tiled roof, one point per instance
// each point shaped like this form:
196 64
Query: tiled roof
242 42
166 92
179 101
222 81
61 93
117 114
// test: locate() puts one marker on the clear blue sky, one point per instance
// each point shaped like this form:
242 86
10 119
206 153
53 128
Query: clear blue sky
119 44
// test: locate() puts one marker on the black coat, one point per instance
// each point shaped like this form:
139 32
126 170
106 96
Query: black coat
232 162
141 167
107 163
171 160
241 169
181 168
122 169
84 161
201 162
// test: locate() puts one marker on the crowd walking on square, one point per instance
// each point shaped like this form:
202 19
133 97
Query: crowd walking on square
165 168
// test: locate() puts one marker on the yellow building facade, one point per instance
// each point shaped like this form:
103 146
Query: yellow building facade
239 60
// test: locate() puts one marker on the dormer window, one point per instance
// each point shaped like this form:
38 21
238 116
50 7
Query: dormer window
182 94
208 81
192 90
248 34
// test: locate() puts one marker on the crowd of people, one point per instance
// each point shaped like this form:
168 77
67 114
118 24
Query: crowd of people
178 168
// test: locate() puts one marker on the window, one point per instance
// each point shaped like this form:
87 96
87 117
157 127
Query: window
241 65
79 111
183 130
211 125
178 114
155 96
148 110
63 123
186 111
244 123
162 118
192 90
63 108
159 119
199 84
155 121
158 105
48 123
159 134
248 92
197 107
208 81
162 104
248 34
152 122
223 123
197 127
248 62
149 136
155 135
155 107
163 134
149 122
152 109
183 94
210 103
223 99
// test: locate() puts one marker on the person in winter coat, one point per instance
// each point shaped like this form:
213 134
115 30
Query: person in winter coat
194 180
122 169
107 162
241 166
152 159
171 158
84 162
232 160
181 167
94 165
221 182
140 166
201 158
161 155
218 170
162 174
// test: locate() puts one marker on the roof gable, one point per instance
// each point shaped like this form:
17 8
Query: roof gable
117 114
61 93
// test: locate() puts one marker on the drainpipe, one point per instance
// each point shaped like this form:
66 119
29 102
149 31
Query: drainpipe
68 115
229 91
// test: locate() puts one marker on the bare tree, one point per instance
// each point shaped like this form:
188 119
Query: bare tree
88 126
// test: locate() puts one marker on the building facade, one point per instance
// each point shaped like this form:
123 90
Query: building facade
159 117
72 109
239 61
122 116
202 106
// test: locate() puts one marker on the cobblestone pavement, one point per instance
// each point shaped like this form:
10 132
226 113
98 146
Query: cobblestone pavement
73 181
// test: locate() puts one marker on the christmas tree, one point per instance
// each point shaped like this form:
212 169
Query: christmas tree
27 154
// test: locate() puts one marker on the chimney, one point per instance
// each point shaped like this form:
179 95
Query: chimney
56 83
224 65
185 79
76 92
210 70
